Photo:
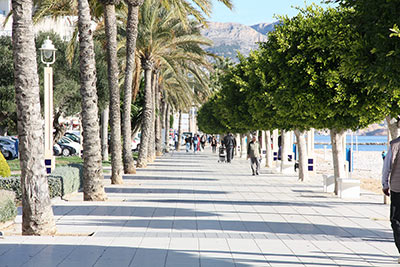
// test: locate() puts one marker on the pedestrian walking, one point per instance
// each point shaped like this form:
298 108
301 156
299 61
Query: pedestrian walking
203 140
176 141
196 143
229 143
187 143
214 144
391 187
254 154
234 147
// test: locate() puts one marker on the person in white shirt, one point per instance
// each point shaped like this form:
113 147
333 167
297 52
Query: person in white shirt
391 187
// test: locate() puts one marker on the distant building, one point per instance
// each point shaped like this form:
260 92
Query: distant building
63 26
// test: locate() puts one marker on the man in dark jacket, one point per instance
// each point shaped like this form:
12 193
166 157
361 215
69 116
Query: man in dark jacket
229 143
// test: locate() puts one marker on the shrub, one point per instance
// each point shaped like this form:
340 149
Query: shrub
64 180
70 176
8 210
4 168
12 184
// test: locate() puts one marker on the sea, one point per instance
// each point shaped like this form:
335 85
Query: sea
360 143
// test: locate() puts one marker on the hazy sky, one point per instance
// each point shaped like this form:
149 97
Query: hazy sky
251 12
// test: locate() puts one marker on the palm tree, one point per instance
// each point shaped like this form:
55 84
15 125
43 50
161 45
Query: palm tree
131 36
113 73
184 8
92 171
147 65
160 109
152 140
174 48
37 214
93 188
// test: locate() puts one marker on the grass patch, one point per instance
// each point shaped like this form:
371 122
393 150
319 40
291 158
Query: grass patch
14 164
61 161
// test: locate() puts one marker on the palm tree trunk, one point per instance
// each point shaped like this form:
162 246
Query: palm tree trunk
303 158
152 149
104 133
147 114
131 36
93 189
37 214
159 112
178 147
113 73
58 127
166 119
162 120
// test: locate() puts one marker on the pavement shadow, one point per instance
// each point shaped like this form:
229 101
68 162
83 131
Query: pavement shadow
171 170
49 255
125 190
235 202
151 212
174 165
163 178
243 227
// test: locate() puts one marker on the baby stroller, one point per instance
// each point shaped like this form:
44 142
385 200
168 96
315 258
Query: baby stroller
221 154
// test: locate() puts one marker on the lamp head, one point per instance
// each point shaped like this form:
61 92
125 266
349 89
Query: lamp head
48 52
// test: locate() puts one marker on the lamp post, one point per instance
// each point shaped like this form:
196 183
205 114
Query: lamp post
48 57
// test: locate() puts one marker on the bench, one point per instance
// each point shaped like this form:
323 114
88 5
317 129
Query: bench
348 188
329 183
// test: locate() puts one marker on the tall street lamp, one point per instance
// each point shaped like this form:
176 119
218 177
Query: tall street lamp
48 57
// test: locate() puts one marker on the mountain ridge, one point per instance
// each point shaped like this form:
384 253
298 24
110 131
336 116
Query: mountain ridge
230 38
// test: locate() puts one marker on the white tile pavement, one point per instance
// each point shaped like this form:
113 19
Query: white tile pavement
189 210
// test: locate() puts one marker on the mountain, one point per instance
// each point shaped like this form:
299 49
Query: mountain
265 28
230 38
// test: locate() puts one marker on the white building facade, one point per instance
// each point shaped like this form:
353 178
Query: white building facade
63 26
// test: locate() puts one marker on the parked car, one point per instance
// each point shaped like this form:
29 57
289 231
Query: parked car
8 148
67 150
135 144
57 150
68 146
74 137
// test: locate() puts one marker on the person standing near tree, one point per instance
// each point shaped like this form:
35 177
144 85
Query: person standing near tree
391 187
229 143
254 154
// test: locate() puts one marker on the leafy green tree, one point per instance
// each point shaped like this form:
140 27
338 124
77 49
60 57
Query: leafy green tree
308 85
373 56
8 113
207 117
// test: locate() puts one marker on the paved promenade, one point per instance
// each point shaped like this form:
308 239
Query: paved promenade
188 210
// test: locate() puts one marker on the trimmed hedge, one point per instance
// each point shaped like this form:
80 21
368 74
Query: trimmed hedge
71 177
64 180
8 210
4 168
12 184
